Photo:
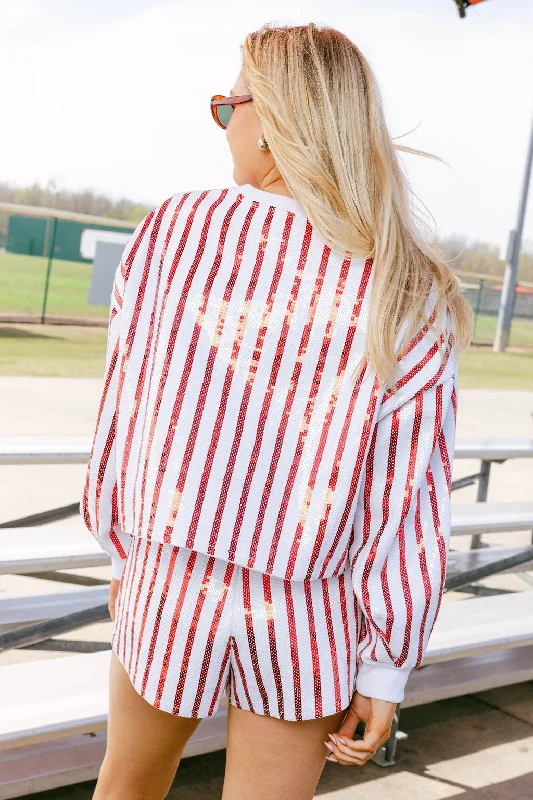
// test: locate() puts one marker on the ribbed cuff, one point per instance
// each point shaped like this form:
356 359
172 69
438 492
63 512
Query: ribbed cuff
117 567
382 682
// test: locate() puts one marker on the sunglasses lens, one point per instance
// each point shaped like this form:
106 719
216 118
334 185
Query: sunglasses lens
224 114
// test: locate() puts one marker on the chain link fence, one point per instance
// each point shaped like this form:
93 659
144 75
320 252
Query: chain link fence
484 293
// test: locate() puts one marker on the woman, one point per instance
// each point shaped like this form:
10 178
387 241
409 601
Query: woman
271 467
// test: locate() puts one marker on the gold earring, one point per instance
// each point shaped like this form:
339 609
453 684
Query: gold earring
262 143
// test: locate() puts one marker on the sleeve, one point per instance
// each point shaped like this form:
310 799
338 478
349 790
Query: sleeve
99 501
401 525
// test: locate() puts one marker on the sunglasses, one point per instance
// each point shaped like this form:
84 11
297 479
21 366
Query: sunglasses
222 107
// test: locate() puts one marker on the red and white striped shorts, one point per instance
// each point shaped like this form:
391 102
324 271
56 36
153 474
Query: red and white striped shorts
190 627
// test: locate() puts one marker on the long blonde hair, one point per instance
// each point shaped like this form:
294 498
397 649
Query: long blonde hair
322 116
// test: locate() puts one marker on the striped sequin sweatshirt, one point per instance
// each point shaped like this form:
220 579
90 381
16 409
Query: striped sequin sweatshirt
230 422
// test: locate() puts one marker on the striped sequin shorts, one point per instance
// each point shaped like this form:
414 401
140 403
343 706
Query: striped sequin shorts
190 628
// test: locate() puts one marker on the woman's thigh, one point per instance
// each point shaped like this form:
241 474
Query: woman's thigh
268 757
144 743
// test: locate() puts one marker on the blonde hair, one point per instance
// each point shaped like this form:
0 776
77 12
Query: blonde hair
322 116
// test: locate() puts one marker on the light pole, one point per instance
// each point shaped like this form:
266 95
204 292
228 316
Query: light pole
505 312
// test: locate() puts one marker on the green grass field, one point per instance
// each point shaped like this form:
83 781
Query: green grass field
79 351
22 282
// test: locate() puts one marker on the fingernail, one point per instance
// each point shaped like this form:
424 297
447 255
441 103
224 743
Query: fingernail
341 740
329 746
331 758
332 738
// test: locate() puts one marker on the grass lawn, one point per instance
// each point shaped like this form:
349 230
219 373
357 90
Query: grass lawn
79 351
22 281
521 332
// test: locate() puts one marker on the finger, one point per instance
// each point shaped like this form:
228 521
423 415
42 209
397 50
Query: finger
342 758
349 723
350 748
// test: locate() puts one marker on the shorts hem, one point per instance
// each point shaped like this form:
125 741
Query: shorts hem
158 707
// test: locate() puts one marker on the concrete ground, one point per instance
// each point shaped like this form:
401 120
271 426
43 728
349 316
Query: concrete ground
478 747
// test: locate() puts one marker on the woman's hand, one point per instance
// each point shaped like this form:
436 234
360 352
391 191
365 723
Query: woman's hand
378 716
113 592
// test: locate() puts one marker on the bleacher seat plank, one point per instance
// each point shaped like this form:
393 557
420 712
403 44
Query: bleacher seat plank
491 449
30 608
468 675
480 625
30 449
477 518
49 547
463 561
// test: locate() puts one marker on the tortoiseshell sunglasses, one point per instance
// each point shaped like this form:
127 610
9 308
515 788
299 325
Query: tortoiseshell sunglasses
222 107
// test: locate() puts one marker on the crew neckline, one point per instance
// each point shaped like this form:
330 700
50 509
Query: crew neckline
272 198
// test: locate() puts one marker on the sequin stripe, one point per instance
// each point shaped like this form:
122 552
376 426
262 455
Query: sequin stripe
116 635
367 489
228 379
404 574
385 505
88 501
235 693
421 545
317 682
242 673
359 461
204 588
267 590
153 417
128 345
185 375
176 322
128 258
203 390
280 350
306 417
420 335
148 658
345 624
125 590
169 647
426 581
118 300
222 672
204 669
146 605
171 423
137 586
341 368
454 402
445 459
178 317
422 363
252 371
250 633
102 467
332 643
441 543
332 483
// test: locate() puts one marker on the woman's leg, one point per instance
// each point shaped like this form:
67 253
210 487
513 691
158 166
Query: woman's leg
144 743
268 757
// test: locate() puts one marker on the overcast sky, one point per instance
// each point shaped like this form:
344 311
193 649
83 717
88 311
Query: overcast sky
113 95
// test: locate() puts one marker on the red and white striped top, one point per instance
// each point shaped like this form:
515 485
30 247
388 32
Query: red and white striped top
230 422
